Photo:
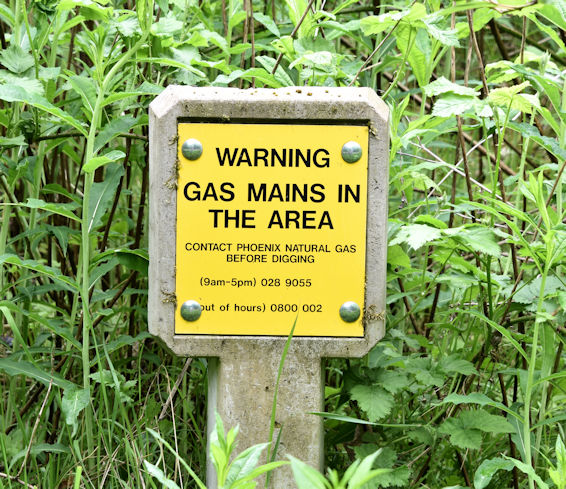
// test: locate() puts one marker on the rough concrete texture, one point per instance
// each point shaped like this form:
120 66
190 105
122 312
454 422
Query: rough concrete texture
241 389
242 378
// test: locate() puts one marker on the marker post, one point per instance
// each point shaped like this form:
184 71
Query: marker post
266 207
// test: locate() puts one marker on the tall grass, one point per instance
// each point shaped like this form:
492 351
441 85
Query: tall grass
467 388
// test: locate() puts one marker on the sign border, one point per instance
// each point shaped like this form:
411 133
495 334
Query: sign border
304 105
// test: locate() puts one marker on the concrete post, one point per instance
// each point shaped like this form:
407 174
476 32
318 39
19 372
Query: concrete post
243 366
241 389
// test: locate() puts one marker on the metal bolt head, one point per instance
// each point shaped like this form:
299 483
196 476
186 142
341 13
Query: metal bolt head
191 310
351 152
350 311
192 149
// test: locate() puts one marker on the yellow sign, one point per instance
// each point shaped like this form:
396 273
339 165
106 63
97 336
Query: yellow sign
271 226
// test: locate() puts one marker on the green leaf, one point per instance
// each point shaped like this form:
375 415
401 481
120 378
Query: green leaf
65 210
343 5
461 435
454 363
268 22
478 238
363 473
130 25
239 48
443 34
397 257
15 59
442 85
245 482
546 85
55 188
500 72
296 9
52 325
426 219
479 399
97 271
558 474
481 420
258 73
216 39
415 44
487 469
7 15
166 27
375 24
306 476
13 142
511 97
91 9
102 195
156 472
549 31
102 377
40 268
393 381
112 129
49 73
416 235
74 401
133 259
99 161
425 372
473 398
87 89
386 459
32 86
314 60
555 11
145 88
141 21
280 74
528 469
171 62
237 18
528 293
124 340
504 331
416 14
452 105
341 417
62 234
374 400
244 464
28 369
40 448
548 143
14 93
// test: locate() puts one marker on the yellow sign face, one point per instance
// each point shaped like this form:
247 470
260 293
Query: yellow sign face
271 227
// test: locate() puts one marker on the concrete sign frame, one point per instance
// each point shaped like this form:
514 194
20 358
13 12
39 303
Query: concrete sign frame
250 362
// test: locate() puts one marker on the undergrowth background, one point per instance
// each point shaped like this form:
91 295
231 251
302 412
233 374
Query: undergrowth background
468 387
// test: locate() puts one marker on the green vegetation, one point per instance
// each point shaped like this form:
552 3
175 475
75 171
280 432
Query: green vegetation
468 387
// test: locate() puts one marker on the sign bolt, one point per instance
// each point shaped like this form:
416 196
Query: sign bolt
192 149
349 311
351 152
191 310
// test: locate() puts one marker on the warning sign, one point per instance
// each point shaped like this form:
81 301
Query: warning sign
271 227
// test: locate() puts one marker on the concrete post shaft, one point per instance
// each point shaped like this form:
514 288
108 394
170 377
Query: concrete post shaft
241 389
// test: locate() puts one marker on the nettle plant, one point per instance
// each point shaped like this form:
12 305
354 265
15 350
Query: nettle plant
466 389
